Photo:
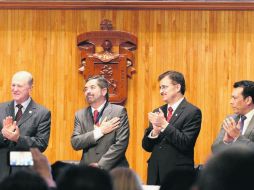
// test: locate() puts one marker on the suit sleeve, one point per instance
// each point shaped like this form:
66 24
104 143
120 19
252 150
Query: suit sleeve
184 137
79 139
219 145
117 150
149 143
41 137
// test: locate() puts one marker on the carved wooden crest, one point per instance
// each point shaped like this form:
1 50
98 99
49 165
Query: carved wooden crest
108 53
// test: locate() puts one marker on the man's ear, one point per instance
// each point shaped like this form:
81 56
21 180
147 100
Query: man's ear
178 87
249 100
104 91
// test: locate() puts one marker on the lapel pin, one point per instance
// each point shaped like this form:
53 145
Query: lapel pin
30 112
176 114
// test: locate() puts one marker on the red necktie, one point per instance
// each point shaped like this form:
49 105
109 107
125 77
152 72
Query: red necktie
170 112
95 116
19 113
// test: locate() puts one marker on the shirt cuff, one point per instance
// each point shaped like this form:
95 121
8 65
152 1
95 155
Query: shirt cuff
97 134
152 137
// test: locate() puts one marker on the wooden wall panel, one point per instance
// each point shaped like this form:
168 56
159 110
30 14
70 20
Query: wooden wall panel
211 48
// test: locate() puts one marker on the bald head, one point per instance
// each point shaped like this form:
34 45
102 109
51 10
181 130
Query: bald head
23 76
21 86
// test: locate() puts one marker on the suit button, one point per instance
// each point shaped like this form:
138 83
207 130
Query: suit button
159 146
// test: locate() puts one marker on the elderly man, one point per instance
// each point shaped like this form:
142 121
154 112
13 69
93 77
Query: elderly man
24 123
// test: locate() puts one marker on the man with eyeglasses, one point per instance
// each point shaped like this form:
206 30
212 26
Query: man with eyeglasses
239 127
101 130
23 122
173 130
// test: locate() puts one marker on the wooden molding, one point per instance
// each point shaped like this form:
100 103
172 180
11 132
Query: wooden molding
180 5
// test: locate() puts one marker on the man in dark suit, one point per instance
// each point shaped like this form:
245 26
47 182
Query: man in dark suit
172 131
102 129
239 127
23 123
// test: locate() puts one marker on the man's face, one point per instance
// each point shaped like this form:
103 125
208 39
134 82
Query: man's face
20 88
238 103
168 90
93 92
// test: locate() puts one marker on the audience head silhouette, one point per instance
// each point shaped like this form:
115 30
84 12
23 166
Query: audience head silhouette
125 179
231 169
24 180
84 178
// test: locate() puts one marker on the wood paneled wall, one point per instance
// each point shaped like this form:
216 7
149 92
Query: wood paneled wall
213 49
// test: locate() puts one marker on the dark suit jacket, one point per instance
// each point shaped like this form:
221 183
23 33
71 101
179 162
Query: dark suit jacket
246 139
174 148
108 151
34 128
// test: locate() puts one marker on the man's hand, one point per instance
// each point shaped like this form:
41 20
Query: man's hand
109 126
42 166
232 129
8 123
158 119
156 131
12 135
96 165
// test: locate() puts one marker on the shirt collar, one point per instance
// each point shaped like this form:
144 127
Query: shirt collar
99 108
24 104
249 115
175 105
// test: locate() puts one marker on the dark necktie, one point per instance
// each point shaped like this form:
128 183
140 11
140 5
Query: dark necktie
243 117
19 113
95 117
170 112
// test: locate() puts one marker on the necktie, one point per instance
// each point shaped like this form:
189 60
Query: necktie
243 117
95 117
170 112
19 113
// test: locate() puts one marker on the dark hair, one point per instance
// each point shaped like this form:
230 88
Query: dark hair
102 83
248 88
84 177
176 77
231 169
24 180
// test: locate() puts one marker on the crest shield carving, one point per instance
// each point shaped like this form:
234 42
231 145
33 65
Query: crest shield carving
108 53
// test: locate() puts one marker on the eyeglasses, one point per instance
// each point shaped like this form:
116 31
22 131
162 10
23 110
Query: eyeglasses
163 87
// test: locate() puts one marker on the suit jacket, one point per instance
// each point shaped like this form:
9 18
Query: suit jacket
174 147
34 127
109 150
247 138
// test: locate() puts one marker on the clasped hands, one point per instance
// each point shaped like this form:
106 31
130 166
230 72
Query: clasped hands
110 125
158 121
10 129
232 130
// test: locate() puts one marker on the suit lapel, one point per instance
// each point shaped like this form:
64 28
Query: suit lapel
250 128
9 110
88 119
30 110
179 110
107 112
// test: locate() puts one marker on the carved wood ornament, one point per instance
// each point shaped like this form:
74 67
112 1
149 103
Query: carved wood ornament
108 53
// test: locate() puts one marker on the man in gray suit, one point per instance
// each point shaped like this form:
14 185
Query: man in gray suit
102 129
238 128
23 123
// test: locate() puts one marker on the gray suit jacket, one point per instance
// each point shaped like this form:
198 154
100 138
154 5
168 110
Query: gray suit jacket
109 150
34 128
247 138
